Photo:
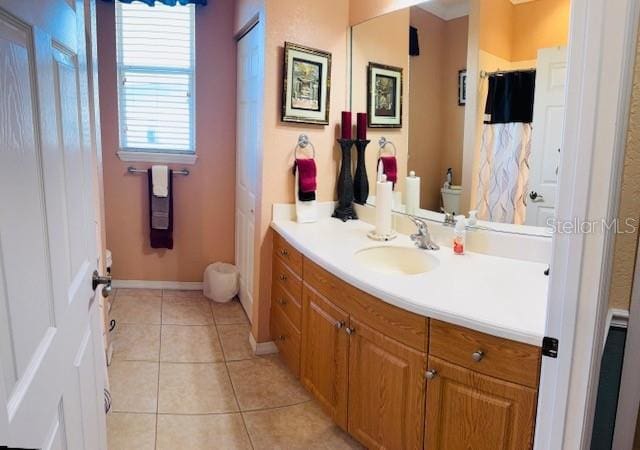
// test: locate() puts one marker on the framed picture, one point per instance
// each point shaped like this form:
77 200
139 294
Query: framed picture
462 87
384 96
306 85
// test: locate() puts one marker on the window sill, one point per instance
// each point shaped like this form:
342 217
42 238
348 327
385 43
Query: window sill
166 158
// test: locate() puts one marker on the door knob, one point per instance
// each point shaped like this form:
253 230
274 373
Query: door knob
97 280
534 196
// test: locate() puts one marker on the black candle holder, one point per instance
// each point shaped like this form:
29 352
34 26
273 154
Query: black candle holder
360 180
344 211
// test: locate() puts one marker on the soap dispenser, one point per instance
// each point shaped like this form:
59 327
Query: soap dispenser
459 235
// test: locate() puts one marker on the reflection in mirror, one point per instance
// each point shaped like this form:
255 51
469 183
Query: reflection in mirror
481 105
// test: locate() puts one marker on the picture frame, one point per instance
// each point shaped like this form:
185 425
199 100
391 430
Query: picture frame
462 87
306 86
384 96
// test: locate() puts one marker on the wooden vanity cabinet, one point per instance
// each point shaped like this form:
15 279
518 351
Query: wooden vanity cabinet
469 410
394 379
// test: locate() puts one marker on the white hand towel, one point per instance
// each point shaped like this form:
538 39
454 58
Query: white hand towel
160 178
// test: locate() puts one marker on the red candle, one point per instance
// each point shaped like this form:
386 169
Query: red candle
362 126
346 124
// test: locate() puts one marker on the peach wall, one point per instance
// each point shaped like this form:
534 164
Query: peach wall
427 121
323 25
625 246
496 27
203 201
363 10
456 35
383 40
539 24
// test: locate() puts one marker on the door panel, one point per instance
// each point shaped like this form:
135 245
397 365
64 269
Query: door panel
466 410
51 388
386 390
324 354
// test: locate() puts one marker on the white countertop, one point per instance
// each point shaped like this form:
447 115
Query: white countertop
500 296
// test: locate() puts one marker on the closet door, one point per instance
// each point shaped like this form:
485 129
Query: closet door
325 352
249 107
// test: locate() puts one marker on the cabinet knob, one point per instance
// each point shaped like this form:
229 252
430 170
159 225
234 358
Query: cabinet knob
282 301
350 330
339 324
431 374
477 356
283 277
284 252
282 337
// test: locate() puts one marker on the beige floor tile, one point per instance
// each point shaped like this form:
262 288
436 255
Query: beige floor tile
302 426
131 292
143 310
182 293
227 313
134 386
235 341
127 431
190 343
186 311
136 342
195 389
265 383
217 431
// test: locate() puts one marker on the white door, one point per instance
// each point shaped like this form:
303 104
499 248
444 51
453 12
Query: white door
51 362
249 107
548 121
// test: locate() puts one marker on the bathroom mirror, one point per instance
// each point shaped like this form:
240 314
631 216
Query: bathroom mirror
477 78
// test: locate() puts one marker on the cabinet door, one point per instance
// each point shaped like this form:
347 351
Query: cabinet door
325 353
467 410
386 390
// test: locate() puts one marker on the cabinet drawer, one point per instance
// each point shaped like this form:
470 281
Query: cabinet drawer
483 353
286 279
403 326
287 304
287 253
287 339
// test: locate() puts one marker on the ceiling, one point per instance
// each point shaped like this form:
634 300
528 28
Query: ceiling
451 9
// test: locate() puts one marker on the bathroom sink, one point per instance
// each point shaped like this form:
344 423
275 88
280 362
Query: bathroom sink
396 260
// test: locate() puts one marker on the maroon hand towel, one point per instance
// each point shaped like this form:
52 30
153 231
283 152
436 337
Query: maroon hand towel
306 178
390 168
161 238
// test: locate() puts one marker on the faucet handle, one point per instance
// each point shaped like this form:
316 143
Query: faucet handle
420 223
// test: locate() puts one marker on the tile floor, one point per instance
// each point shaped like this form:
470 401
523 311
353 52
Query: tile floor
183 376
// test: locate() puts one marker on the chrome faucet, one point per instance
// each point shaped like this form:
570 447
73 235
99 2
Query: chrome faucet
422 238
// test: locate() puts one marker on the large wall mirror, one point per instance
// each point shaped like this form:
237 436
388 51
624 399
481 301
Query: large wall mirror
470 94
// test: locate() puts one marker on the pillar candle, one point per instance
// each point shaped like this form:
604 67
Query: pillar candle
362 126
346 124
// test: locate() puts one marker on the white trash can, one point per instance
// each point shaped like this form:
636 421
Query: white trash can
221 282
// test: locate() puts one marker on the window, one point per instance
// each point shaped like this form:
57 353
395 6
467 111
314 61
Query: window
156 101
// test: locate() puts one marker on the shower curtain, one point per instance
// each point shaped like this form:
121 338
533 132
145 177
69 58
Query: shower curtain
506 146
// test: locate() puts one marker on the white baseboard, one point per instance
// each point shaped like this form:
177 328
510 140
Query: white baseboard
146 284
262 348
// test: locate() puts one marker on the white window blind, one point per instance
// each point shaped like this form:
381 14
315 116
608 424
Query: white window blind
156 54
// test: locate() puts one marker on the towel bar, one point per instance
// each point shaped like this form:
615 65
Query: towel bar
184 172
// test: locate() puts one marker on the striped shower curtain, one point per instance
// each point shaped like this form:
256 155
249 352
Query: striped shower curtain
504 172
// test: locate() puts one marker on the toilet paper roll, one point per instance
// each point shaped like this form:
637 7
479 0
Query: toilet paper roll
412 186
384 201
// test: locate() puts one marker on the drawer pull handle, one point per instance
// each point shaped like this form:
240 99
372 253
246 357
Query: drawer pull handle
339 324
283 277
477 356
431 374
284 252
282 301
350 331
